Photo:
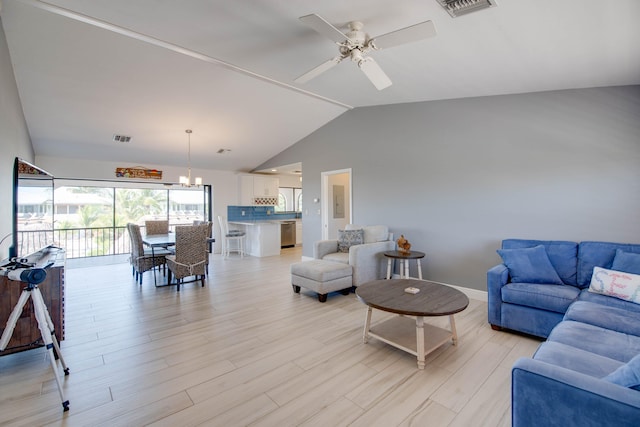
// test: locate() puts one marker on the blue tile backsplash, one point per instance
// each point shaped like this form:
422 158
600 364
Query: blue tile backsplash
257 213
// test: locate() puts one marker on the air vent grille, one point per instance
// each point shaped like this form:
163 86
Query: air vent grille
457 8
121 138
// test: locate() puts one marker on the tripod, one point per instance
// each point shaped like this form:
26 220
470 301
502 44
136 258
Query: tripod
46 330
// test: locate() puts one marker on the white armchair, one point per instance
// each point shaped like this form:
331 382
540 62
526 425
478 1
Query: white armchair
366 259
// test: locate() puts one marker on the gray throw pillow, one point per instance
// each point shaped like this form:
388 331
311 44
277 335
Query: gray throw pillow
348 238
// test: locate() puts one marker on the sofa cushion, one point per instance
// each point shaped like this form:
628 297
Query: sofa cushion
585 295
598 254
626 261
348 238
321 271
529 320
562 254
545 297
578 360
608 317
625 286
372 233
605 342
627 375
342 257
530 265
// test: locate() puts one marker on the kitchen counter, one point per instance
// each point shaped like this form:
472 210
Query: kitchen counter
264 221
262 237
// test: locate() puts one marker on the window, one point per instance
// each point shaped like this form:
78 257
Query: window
289 200
91 220
298 199
285 199
282 203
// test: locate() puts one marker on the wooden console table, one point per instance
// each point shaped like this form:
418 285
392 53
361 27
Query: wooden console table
26 334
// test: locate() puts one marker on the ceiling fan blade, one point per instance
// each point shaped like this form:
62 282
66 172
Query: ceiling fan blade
322 26
410 34
319 69
373 71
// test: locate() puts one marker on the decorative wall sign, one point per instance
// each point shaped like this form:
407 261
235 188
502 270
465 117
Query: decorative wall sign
25 168
138 172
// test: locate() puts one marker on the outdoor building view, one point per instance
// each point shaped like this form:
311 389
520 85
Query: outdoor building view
91 221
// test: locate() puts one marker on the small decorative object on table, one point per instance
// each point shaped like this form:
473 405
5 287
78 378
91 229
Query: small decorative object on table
404 246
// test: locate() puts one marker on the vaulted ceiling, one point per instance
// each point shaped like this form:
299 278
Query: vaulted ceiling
151 69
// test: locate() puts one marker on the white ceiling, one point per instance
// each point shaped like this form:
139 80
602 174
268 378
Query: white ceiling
152 68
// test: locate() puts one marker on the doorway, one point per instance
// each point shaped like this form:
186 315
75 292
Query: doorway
336 202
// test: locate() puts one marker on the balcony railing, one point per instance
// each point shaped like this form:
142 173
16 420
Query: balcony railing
78 242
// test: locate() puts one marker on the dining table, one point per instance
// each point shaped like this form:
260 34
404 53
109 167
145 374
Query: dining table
155 241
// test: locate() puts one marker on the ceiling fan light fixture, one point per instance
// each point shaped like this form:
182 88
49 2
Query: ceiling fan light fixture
457 8
356 45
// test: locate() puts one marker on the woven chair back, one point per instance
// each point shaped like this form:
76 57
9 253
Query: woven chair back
191 243
157 227
137 247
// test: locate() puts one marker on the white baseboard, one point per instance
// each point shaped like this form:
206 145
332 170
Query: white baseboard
470 293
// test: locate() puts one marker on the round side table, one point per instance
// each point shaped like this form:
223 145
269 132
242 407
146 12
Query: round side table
404 262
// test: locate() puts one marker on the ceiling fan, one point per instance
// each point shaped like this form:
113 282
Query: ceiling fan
356 44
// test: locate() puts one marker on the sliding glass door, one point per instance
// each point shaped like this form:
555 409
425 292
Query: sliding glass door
90 220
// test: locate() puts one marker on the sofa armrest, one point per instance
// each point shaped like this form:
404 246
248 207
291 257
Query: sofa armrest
497 277
542 393
368 262
324 247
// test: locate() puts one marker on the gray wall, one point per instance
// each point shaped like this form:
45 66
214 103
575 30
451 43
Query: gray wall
14 139
458 176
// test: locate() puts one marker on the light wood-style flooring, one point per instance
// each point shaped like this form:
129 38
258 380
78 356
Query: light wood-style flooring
247 350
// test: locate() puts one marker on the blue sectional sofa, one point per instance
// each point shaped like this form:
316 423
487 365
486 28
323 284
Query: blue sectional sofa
534 307
587 372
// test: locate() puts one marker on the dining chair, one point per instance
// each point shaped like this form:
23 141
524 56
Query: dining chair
191 254
142 259
209 234
231 236
157 227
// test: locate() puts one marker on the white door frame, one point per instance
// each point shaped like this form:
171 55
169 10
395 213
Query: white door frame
324 194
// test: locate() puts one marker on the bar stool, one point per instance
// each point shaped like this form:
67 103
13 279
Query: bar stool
231 236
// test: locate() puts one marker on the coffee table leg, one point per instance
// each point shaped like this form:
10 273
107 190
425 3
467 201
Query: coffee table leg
367 325
454 334
420 341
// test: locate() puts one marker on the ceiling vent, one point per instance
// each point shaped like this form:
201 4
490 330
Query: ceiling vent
121 138
457 8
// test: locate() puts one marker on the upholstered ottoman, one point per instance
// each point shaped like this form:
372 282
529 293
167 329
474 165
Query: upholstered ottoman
321 277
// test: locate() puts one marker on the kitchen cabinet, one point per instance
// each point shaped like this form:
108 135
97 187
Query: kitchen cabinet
258 190
262 237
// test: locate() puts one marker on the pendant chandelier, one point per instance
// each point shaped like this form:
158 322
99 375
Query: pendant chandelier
185 181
